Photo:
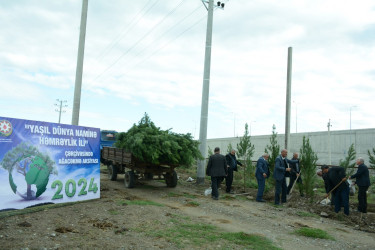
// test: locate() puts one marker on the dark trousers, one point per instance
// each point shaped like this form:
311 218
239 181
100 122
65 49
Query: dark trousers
280 188
293 178
342 199
229 180
215 182
261 185
362 199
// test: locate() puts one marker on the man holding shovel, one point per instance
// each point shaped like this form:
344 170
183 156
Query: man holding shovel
337 184
363 182
295 175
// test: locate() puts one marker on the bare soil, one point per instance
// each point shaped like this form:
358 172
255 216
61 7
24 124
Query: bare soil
112 222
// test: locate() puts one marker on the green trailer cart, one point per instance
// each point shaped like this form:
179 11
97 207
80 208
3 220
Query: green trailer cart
118 161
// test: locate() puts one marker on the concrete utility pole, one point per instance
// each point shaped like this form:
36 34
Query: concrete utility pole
329 142
60 107
79 70
205 91
288 95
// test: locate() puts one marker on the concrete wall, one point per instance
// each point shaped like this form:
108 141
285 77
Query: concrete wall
363 139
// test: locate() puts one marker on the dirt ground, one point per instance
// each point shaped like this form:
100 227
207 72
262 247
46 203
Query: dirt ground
114 222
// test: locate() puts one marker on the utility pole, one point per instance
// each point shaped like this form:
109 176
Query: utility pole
329 142
205 91
79 70
288 94
60 107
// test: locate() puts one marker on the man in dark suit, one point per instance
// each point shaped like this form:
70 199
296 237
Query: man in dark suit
281 167
337 177
363 182
232 166
217 169
294 173
261 174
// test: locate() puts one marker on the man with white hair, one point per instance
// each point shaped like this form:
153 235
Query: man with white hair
261 174
281 167
363 182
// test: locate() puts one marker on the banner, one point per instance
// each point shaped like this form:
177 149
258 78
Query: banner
42 163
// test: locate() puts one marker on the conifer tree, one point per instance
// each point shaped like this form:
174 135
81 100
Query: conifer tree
150 144
273 150
246 151
371 157
209 151
229 148
308 159
349 162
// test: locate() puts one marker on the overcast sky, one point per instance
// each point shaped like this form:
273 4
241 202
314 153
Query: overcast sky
148 56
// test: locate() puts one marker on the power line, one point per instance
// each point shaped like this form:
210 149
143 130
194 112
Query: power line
137 42
176 37
135 20
162 35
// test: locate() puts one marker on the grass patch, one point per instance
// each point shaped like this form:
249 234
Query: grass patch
314 233
191 196
192 204
37 208
144 203
199 235
306 214
228 197
243 239
171 194
113 212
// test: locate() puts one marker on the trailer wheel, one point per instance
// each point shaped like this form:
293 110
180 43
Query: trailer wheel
112 172
129 179
171 179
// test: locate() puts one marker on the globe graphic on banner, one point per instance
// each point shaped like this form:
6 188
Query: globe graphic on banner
30 178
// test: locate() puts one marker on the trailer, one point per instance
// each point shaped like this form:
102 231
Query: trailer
118 161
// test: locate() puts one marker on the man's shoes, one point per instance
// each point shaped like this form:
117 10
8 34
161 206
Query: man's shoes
261 200
302 195
230 192
215 198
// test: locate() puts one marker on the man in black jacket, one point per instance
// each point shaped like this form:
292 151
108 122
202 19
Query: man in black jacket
217 169
232 166
294 173
363 182
337 177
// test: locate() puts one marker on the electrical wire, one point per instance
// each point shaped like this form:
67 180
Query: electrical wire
129 27
138 41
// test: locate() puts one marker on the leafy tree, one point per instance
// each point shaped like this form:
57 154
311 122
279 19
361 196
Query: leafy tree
349 162
28 161
371 157
246 151
273 150
308 159
150 144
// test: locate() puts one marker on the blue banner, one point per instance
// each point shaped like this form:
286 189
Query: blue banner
43 163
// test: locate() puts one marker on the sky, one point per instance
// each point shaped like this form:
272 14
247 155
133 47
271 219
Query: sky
148 56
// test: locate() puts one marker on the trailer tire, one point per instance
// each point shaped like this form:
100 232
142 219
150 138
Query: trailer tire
171 179
129 179
112 172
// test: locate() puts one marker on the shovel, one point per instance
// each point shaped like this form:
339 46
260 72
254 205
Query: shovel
333 189
291 190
